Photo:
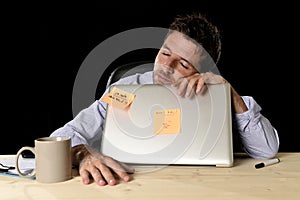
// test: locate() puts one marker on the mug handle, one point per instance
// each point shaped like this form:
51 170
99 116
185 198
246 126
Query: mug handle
17 162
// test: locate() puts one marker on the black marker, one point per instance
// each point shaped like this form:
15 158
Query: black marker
267 163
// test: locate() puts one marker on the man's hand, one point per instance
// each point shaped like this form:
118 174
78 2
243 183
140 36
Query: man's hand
195 82
95 166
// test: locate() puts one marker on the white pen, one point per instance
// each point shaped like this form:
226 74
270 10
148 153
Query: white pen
267 163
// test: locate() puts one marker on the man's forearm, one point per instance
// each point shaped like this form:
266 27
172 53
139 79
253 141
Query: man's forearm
238 103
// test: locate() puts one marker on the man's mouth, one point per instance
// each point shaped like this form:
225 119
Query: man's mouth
162 78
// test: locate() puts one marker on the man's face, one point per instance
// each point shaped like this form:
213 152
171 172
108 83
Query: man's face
177 58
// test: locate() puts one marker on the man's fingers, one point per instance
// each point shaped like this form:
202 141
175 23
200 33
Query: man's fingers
85 176
107 174
127 168
192 86
120 169
199 86
123 175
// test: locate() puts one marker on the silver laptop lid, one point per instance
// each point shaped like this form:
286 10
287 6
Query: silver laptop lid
160 127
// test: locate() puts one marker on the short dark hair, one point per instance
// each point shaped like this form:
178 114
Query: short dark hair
197 27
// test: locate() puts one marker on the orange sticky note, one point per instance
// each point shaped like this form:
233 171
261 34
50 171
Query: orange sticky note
167 121
119 98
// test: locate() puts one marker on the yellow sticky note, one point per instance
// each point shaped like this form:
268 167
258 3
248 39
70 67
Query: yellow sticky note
119 98
167 121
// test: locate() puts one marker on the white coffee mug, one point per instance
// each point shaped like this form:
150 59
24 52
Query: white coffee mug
53 161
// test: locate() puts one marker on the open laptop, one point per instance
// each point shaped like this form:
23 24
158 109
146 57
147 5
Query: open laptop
159 127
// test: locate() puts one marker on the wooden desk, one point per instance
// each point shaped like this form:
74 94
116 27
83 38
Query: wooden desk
243 181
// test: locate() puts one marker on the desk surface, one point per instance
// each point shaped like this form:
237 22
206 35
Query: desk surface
242 181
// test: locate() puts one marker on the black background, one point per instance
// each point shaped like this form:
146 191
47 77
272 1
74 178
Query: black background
44 45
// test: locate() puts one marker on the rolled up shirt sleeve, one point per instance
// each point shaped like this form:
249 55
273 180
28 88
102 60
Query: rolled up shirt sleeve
258 137
86 127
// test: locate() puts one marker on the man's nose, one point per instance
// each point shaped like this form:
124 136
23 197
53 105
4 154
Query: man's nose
170 64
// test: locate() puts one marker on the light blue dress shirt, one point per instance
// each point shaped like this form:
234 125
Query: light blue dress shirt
259 139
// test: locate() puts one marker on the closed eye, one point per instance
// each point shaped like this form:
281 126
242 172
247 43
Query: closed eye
165 54
184 66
